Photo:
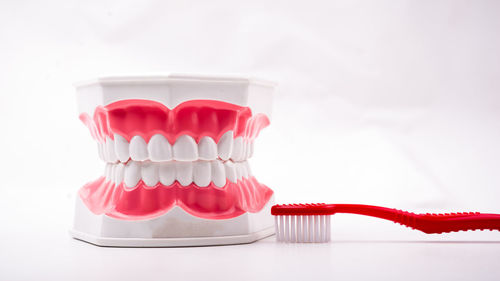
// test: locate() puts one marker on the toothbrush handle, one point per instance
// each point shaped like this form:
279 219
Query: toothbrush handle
428 223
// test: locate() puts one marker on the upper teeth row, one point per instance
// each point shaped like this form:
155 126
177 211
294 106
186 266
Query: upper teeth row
185 148
199 172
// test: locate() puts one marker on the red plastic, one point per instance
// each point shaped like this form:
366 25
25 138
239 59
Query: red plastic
428 223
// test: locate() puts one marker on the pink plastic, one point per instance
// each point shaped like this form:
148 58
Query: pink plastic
143 202
196 118
428 223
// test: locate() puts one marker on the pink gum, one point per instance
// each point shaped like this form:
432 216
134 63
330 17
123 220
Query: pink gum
142 202
196 118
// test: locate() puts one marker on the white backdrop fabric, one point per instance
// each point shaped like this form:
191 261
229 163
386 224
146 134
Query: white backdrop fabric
379 102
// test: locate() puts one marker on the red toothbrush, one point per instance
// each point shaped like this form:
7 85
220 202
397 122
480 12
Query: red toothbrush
311 222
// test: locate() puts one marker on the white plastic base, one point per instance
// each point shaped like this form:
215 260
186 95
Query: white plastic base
172 242
174 229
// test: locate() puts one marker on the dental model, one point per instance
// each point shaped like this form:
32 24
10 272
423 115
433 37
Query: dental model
176 150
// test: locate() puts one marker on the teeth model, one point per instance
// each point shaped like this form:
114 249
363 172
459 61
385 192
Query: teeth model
176 152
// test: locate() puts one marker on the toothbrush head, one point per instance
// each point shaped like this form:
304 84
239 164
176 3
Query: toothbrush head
303 223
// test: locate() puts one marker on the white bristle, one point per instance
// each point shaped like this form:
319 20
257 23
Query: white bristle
303 229
299 230
287 228
328 229
310 229
323 228
277 228
282 228
317 233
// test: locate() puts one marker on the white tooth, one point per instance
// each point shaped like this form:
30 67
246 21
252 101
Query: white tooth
132 174
119 173
100 150
121 148
149 173
159 148
218 173
245 149
244 154
247 168
167 173
207 149
138 149
237 168
185 149
105 152
110 150
184 173
237 154
230 171
107 171
112 172
201 173
225 145
243 169
250 150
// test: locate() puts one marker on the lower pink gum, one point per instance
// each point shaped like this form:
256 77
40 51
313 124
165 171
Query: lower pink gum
144 202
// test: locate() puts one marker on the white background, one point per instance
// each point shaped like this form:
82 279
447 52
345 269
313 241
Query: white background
393 103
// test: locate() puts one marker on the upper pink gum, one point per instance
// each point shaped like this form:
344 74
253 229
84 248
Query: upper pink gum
196 118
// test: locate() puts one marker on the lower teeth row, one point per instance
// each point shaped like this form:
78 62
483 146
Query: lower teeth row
166 173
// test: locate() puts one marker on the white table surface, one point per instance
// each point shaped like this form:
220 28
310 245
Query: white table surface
35 245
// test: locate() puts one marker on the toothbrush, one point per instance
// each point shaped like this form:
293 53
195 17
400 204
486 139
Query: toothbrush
298 223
